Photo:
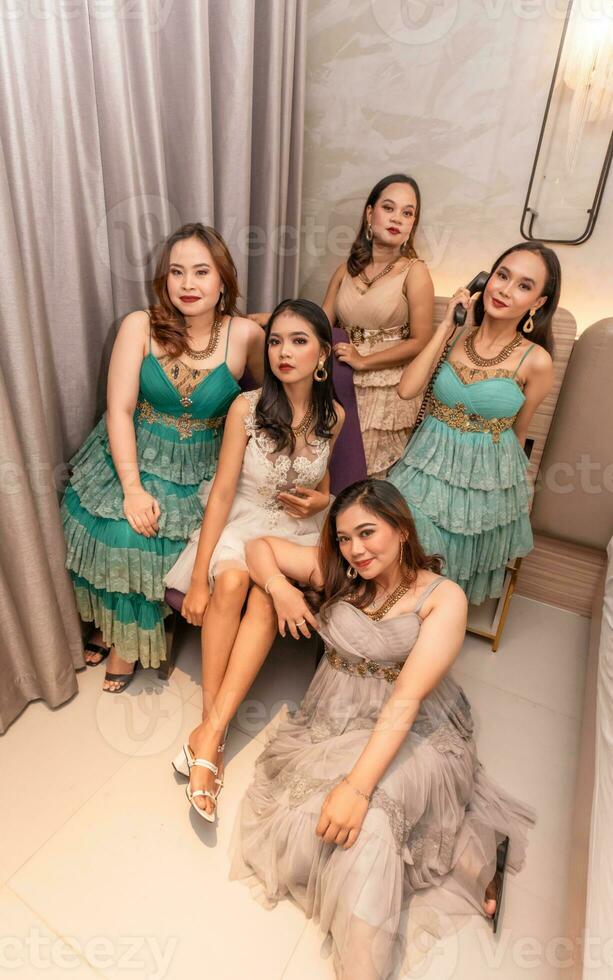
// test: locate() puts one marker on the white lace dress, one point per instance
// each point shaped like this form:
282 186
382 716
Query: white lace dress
255 510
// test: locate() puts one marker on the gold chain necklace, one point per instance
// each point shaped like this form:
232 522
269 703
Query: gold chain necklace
304 423
471 353
369 282
211 347
391 600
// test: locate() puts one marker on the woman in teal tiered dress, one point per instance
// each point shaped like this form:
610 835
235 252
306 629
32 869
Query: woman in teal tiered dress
132 501
464 472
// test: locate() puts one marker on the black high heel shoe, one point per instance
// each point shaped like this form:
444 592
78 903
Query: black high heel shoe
501 862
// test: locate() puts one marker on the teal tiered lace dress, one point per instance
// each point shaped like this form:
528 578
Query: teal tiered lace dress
464 477
118 574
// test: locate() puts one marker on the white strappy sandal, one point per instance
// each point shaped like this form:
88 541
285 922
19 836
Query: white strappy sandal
183 763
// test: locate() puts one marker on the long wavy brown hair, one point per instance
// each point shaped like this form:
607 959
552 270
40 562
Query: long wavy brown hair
384 501
168 324
361 250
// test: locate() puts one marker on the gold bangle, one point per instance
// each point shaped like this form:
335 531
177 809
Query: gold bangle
269 580
365 796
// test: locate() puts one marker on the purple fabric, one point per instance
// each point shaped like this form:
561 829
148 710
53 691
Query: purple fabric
174 598
348 463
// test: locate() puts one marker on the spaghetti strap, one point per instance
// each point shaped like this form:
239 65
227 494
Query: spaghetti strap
531 347
148 312
228 339
455 339
427 591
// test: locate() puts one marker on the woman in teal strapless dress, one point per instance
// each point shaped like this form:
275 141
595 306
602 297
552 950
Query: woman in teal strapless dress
463 473
132 501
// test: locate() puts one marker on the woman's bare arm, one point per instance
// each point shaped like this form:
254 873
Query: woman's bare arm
440 639
539 382
329 303
255 350
141 510
417 373
272 562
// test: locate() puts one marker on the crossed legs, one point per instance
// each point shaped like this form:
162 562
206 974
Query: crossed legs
235 650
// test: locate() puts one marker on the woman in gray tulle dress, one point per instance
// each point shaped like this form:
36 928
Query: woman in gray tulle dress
370 797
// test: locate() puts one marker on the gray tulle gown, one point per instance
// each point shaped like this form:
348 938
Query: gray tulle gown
429 836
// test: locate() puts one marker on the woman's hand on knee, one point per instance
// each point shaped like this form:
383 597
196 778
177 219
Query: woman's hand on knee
292 610
342 815
195 602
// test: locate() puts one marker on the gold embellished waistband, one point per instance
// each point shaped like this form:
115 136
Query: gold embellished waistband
458 418
363 668
362 335
185 424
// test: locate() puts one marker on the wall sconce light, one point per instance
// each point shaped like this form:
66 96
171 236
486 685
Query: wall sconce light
564 194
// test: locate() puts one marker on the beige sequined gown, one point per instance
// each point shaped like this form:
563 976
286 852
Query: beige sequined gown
375 320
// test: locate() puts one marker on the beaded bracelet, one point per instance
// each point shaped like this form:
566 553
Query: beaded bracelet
269 580
365 796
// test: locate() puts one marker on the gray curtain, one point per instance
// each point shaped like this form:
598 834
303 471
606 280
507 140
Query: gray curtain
119 122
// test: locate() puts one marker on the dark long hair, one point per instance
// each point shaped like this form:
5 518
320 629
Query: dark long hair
361 250
384 501
167 322
542 333
273 411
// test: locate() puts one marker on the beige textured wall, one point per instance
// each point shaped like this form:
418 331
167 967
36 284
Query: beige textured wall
456 100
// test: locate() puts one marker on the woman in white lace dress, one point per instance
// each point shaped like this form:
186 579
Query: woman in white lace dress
272 478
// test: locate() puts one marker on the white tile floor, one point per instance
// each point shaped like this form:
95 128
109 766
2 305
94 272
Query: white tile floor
105 871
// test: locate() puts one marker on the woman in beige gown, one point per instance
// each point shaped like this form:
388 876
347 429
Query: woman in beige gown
383 298
370 797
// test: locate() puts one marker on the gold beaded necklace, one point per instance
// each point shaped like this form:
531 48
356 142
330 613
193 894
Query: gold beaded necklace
211 347
369 282
391 600
471 353
304 423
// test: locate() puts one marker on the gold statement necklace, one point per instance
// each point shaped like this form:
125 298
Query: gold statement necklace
211 347
304 424
471 353
391 600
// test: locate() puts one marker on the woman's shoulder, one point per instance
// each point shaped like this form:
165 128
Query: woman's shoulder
340 411
415 272
538 358
137 320
445 593
243 326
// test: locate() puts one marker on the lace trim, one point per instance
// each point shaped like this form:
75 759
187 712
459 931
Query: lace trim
184 378
469 375
300 787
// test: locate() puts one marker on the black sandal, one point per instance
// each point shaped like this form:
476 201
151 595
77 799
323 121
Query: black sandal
501 862
96 648
124 680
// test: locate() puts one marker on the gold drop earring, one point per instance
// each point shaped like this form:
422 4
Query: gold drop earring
528 326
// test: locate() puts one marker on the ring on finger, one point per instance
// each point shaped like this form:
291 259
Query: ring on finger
300 622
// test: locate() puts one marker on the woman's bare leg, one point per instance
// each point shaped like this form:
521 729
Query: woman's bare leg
254 639
221 623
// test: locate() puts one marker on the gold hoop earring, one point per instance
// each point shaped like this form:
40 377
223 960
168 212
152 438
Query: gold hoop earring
320 373
368 232
528 326
351 572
